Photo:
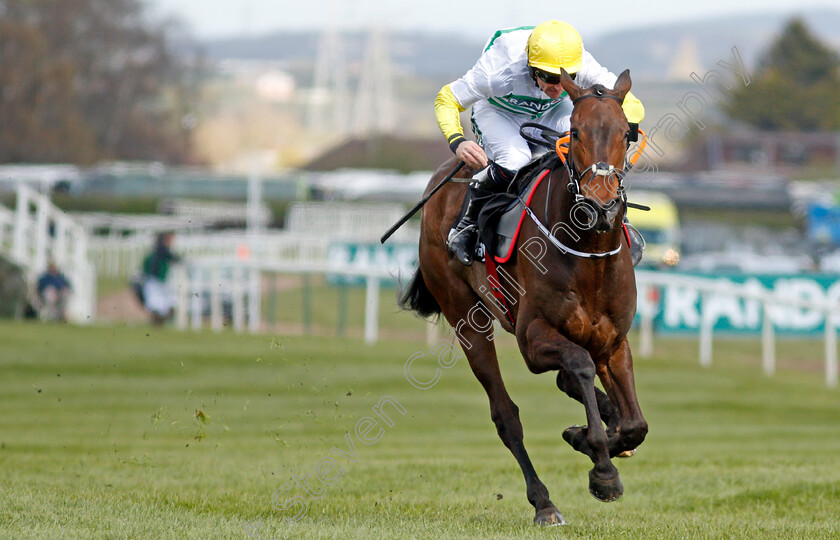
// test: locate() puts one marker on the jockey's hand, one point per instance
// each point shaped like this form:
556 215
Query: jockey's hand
472 154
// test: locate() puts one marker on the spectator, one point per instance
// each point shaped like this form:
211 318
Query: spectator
158 297
53 291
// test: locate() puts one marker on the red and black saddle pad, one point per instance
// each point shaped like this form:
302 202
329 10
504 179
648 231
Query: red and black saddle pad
510 221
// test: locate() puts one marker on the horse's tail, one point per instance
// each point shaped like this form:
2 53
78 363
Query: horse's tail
417 297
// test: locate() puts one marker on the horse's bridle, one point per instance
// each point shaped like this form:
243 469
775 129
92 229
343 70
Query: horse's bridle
562 146
596 169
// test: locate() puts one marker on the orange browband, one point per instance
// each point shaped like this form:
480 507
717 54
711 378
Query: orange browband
563 151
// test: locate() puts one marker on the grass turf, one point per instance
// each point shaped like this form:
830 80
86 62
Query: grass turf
145 433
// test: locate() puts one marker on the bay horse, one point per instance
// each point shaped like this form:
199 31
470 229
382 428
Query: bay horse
570 308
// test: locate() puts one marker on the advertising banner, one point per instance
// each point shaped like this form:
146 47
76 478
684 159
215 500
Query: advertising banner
678 309
400 259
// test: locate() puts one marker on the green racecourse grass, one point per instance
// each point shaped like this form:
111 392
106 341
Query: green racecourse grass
145 433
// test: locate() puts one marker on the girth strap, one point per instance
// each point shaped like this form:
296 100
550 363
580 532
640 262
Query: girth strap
496 288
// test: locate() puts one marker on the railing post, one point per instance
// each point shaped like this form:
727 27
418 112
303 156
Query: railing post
830 351
646 327
271 308
182 289
111 261
341 323
768 342
254 300
196 289
307 305
705 333
21 221
85 273
372 310
216 311
238 293
60 252
42 239
646 336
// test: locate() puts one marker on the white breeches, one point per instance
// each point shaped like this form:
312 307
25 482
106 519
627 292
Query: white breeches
159 297
497 131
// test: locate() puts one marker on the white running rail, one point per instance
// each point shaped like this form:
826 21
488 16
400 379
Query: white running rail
708 289
40 232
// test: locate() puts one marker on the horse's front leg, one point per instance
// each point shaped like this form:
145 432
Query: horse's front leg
546 349
616 374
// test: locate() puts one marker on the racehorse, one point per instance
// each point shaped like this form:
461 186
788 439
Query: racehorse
571 293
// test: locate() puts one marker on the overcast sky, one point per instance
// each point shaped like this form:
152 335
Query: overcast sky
480 18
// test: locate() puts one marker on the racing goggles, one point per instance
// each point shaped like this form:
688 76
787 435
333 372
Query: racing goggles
546 77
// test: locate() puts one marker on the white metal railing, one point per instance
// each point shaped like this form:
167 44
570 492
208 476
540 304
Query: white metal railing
7 226
40 232
120 257
710 288
358 221
240 284
118 242
128 225
217 211
311 227
241 281
200 289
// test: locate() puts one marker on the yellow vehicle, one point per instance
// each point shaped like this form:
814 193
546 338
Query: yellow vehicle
660 227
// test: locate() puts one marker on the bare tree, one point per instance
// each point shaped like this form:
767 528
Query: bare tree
104 81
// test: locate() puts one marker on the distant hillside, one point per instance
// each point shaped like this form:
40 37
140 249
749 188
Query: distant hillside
648 51
436 56
384 152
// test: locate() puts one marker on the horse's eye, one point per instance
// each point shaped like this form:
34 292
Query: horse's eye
574 134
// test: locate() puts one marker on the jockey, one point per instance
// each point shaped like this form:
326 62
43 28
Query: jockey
516 80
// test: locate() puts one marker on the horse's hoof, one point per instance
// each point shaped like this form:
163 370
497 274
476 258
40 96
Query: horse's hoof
575 436
627 453
549 517
605 490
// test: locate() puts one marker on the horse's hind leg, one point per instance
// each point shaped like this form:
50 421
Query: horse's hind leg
627 428
616 375
606 408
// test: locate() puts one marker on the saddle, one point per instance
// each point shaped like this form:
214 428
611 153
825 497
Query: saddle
500 220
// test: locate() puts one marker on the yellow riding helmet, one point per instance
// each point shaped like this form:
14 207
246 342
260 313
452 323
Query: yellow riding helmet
553 45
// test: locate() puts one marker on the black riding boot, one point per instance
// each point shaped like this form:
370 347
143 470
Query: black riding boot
464 236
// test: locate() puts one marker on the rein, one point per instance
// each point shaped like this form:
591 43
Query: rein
563 247
563 146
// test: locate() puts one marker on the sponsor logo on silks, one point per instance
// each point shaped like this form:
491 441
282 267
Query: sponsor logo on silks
535 107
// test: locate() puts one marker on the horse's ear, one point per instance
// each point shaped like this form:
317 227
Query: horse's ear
569 85
622 84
